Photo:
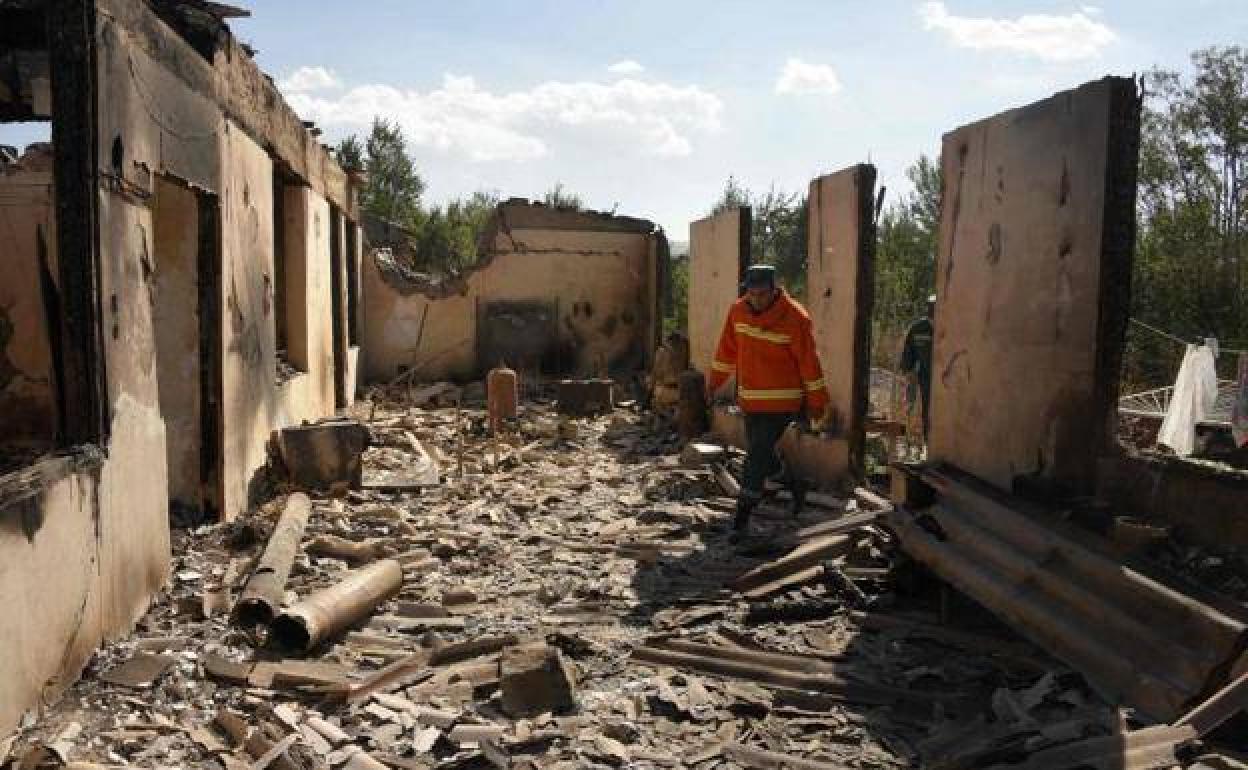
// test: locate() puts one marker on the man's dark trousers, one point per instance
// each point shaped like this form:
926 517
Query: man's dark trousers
763 431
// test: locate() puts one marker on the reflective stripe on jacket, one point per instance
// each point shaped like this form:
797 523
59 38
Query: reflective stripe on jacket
772 353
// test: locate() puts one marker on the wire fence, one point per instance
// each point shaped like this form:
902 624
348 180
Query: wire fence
1152 357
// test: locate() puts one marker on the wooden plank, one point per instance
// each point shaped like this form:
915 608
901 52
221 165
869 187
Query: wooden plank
804 556
1223 705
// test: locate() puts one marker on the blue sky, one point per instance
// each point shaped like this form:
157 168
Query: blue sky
515 97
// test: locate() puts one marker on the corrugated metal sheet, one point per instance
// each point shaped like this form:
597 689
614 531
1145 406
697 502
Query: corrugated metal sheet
1135 639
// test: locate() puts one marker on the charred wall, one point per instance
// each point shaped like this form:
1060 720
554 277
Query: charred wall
141 121
719 252
840 286
563 293
1032 287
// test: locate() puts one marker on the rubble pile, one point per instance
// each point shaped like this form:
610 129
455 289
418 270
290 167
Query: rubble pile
568 599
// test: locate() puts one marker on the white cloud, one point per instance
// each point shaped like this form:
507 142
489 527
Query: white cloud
626 67
799 77
1045 36
464 119
309 79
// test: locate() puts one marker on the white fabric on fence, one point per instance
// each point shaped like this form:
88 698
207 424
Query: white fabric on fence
1239 409
1195 392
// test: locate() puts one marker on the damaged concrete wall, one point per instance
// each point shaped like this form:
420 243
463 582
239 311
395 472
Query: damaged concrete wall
309 327
840 279
719 251
50 587
1203 503
559 290
1033 282
254 404
176 315
82 553
27 239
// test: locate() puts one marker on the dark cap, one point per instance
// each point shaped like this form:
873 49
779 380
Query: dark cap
759 276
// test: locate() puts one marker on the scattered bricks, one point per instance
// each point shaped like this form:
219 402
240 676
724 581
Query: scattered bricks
323 455
581 398
534 680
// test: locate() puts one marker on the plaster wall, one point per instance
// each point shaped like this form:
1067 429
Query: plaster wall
839 288
253 404
309 324
176 315
1032 284
80 560
718 253
27 395
50 588
598 281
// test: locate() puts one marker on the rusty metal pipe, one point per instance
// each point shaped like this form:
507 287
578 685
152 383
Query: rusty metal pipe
267 585
334 609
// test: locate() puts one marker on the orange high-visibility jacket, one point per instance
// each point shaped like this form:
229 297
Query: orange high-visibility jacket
773 355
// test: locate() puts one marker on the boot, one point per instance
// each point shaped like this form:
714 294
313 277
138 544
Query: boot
741 521
798 488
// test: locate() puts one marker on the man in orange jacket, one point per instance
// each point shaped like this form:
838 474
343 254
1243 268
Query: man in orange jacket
769 344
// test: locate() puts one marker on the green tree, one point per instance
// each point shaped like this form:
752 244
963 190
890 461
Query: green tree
778 236
448 238
1190 265
678 274
350 154
393 189
778 226
733 196
905 260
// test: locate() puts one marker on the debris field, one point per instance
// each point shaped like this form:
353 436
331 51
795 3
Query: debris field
564 595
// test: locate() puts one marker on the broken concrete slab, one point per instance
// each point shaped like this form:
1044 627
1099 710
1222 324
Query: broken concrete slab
324 454
141 671
581 398
534 679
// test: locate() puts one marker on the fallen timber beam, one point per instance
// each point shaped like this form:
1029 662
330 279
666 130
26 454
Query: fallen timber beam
1135 639
838 526
1017 652
1226 703
267 585
798 663
326 612
808 575
826 684
1148 749
805 556
752 757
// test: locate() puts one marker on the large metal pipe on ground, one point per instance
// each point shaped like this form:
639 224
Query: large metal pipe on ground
334 609
267 585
